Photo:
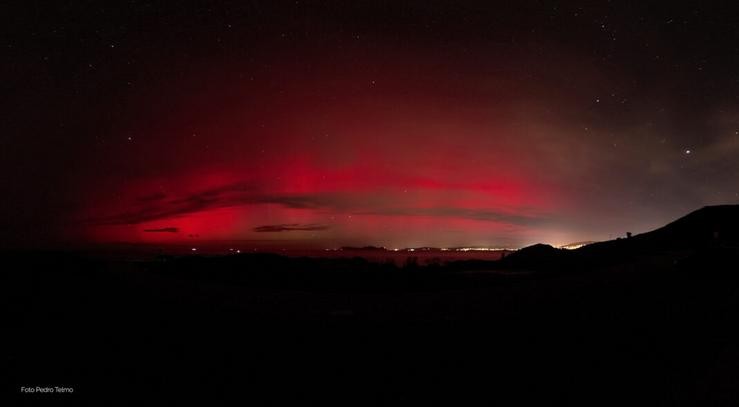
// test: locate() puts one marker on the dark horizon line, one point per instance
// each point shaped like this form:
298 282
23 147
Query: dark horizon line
223 246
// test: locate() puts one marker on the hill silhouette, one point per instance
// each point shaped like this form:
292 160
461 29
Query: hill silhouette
711 227
708 226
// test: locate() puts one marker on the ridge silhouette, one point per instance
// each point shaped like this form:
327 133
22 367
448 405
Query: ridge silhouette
711 227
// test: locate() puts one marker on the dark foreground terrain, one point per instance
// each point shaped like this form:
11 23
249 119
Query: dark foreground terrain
647 320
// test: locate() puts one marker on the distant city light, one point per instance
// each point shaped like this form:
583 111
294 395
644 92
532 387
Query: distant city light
479 249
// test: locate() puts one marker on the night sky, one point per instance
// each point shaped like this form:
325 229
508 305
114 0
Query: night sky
401 124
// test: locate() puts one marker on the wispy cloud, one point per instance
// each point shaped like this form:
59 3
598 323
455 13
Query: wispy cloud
232 195
290 227
163 230
466 213
158 207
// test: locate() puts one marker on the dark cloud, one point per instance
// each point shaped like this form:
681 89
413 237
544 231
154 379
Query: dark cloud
235 195
221 197
294 201
163 230
290 227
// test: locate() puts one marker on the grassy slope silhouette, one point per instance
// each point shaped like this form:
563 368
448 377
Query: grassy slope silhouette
711 228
